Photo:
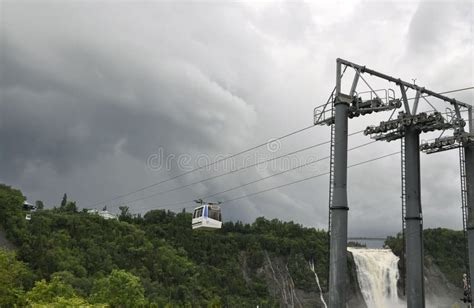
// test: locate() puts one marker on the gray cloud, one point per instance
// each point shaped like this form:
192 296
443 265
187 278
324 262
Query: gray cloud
87 102
90 90
432 25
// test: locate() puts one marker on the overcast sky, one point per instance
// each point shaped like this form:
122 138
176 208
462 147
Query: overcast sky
95 93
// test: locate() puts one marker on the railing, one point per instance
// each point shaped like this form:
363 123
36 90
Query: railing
384 95
324 114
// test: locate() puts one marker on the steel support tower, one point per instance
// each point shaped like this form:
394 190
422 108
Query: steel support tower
469 169
414 220
467 190
407 126
339 208
465 142
336 112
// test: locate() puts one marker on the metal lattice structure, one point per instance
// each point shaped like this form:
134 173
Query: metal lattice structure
462 172
407 127
404 209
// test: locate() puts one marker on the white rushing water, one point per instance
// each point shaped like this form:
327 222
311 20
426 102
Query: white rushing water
311 266
377 274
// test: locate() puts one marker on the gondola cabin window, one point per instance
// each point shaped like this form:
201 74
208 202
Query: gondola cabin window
214 213
198 212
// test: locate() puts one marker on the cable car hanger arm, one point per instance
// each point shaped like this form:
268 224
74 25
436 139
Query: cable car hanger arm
400 82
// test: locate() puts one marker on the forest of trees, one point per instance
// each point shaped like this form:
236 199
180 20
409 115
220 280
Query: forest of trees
444 247
67 256
64 255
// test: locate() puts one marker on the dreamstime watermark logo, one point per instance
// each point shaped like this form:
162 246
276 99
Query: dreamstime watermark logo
270 158
274 145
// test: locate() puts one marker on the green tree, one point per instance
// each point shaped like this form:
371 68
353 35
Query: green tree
12 217
125 214
12 275
55 291
172 264
63 202
61 302
70 207
39 204
120 288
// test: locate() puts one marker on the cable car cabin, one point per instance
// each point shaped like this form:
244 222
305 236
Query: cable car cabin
207 217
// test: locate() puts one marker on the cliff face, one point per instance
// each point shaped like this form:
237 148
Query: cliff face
439 291
282 286
444 264
287 290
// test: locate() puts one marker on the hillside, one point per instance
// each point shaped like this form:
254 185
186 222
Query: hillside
444 248
63 255
163 261
445 262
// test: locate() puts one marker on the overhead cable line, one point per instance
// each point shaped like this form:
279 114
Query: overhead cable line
215 162
172 205
231 156
202 167
284 171
234 171
308 178
453 91
224 174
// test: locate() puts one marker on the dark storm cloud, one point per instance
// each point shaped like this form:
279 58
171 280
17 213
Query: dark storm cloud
89 90
66 102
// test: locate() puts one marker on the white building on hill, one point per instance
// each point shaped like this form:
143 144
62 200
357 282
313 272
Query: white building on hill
103 214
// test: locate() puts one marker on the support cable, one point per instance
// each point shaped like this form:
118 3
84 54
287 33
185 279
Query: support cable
170 205
240 169
308 178
202 167
284 171
231 156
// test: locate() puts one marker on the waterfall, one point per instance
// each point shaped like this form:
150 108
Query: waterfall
284 282
311 266
377 274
